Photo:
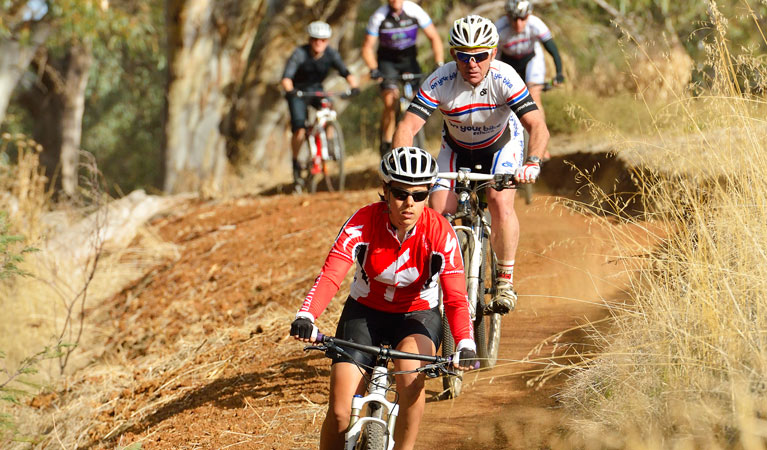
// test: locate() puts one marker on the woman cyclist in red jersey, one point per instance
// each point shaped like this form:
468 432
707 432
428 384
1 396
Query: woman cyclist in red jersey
402 250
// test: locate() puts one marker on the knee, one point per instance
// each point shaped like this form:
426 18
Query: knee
338 417
410 388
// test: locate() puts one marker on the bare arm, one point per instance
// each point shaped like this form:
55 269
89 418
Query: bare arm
352 80
406 130
436 44
287 84
539 134
368 52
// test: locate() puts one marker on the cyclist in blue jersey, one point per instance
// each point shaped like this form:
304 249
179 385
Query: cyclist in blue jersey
395 28
485 104
305 70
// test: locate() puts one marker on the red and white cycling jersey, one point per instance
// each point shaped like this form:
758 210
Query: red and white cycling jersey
519 45
476 117
394 276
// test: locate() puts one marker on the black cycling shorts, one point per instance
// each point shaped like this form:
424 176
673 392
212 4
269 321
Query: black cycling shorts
368 326
392 69
299 111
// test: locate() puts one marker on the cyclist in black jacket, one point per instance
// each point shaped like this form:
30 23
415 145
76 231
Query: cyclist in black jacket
305 70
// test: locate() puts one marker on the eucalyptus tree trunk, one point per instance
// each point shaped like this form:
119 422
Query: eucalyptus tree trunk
73 107
208 46
57 102
15 56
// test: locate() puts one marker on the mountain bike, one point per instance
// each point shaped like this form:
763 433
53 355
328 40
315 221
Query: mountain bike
471 222
374 416
322 156
527 189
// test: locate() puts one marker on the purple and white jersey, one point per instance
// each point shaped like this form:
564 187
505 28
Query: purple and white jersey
518 45
398 32
476 117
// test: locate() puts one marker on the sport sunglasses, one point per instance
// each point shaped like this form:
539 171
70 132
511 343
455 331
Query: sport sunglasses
402 195
478 57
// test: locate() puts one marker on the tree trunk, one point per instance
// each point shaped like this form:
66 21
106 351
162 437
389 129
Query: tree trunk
15 57
57 102
208 45
73 101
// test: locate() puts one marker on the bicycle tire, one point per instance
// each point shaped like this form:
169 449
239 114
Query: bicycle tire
372 437
491 325
305 163
450 383
333 170
527 193
480 337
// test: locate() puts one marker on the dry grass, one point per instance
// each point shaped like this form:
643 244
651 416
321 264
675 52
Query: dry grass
685 361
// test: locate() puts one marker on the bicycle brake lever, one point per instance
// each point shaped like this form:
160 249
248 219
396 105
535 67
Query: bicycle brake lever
316 347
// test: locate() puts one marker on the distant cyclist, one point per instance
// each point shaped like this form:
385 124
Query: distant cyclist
305 70
485 104
521 35
395 28
403 252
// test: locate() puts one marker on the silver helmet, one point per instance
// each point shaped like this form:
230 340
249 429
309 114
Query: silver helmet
319 30
473 32
408 165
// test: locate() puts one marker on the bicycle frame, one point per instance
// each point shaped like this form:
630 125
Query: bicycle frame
469 207
318 143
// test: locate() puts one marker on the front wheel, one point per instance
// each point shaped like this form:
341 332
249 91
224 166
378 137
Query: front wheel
491 325
372 437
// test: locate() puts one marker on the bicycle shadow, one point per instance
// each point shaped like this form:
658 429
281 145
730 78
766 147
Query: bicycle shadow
277 380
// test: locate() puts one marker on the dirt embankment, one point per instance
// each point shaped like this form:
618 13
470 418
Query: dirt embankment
198 355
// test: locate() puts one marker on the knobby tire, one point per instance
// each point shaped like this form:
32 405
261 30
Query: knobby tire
372 437
491 325
335 178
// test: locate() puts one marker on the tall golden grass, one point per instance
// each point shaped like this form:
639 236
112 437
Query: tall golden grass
684 364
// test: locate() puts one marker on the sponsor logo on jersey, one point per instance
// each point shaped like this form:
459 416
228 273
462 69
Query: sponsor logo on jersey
483 91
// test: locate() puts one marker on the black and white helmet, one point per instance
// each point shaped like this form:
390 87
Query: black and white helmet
473 32
319 30
409 165
519 8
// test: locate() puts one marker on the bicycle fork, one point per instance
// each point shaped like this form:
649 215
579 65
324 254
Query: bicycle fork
379 406
319 150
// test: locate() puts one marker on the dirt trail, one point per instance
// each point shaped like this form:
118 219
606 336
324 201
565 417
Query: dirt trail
199 355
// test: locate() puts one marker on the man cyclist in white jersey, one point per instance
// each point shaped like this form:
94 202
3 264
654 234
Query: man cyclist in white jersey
521 34
395 27
305 70
403 252
485 104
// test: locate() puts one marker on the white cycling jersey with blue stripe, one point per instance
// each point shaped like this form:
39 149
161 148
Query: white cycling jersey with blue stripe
475 116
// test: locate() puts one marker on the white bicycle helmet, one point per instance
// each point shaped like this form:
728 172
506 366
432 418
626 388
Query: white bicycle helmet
319 30
473 32
409 165
519 8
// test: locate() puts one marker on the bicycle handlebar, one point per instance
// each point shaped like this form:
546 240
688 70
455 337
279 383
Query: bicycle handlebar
499 181
322 94
381 351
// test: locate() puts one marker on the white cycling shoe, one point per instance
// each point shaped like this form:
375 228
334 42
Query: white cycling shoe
505 299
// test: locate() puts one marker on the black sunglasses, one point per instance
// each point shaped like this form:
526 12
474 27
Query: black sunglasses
402 194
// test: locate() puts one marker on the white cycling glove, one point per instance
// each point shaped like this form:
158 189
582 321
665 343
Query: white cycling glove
528 173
